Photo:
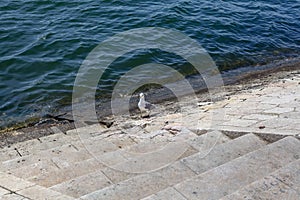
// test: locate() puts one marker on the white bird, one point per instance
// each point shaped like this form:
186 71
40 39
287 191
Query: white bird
144 106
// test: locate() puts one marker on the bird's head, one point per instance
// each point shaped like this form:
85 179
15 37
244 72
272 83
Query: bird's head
142 95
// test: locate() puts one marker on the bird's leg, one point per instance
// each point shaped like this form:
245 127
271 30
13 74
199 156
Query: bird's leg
141 113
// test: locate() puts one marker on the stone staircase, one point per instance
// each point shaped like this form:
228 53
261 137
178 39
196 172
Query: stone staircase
112 165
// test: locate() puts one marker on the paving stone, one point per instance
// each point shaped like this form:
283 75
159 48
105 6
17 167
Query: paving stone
44 143
28 147
121 142
8 154
40 193
279 110
13 183
67 152
144 185
290 175
56 176
278 123
223 153
56 140
33 170
117 176
260 117
276 132
12 197
169 193
144 147
278 99
208 140
3 191
243 111
190 151
146 162
98 146
87 131
240 123
184 135
111 158
82 185
291 115
241 171
278 185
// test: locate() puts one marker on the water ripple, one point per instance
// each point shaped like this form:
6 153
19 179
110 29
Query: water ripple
42 43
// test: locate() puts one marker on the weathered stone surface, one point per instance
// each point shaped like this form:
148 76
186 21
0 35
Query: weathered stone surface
68 153
223 153
240 122
87 160
8 154
39 193
13 183
169 193
82 185
282 184
208 140
111 158
56 176
87 131
3 191
259 117
117 176
144 185
279 110
241 171
33 170
147 162
12 197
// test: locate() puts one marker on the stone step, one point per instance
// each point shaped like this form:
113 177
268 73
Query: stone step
233 175
204 143
68 161
220 154
141 185
60 169
83 184
21 189
96 180
47 174
36 145
282 184
169 193
132 160
44 143
73 152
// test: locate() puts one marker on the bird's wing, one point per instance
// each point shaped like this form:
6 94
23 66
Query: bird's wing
149 105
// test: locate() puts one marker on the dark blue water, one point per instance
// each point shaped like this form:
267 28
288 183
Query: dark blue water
43 43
